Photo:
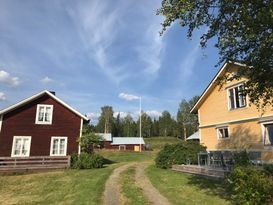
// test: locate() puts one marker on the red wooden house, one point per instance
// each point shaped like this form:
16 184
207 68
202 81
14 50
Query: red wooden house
41 125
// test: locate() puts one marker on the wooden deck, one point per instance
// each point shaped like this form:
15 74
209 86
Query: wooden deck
203 171
22 164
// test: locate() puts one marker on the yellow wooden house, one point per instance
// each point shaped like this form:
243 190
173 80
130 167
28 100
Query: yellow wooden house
227 120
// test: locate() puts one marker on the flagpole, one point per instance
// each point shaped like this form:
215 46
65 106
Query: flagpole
140 124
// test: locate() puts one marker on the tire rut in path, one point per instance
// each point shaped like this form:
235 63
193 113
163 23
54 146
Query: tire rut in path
151 193
112 194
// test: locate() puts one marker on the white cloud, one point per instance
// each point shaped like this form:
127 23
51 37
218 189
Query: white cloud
153 113
128 97
150 52
121 114
189 61
2 96
6 78
98 25
46 80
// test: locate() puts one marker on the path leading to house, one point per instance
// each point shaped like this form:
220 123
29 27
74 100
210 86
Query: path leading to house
113 195
151 193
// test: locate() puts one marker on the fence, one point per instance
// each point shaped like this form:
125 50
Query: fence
12 164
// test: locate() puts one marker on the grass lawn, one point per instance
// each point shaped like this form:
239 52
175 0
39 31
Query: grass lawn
130 156
58 187
132 193
159 142
182 188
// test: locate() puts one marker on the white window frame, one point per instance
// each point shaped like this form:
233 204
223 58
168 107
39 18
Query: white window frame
51 146
263 132
13 146
37 114
219 134
234 98
122 146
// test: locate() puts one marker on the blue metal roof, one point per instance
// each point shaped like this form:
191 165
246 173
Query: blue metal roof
127 140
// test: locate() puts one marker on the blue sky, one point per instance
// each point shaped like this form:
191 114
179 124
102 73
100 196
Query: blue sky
89 52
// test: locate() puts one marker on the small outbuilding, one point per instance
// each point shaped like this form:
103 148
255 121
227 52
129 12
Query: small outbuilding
122 143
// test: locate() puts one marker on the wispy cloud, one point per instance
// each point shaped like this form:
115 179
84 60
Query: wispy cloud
153 113
150 52
98 24
189 61
2 96
46 80
7 79
128 97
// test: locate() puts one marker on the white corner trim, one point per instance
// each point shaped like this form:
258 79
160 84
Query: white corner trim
1 121
13 146
79 150
51 145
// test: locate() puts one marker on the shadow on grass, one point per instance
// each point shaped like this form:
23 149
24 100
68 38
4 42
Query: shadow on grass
210 187
108 161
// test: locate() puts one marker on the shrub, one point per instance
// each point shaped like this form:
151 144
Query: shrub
88 161
181 153
249 185
241 158
73 159
268 169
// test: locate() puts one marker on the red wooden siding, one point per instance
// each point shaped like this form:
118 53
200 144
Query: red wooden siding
107 145
21 122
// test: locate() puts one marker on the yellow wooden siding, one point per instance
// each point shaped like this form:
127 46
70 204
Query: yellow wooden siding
242 136
214 109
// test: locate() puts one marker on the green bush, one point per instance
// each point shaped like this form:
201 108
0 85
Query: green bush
268 169
249 185
181 153
241 158
87 161
73 159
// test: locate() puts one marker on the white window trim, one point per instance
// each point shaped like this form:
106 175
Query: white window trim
13 146
37 114
263 132
123 145
229 104
51 146
218 134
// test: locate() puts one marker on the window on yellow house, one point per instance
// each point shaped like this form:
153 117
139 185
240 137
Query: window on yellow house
237 97
223 132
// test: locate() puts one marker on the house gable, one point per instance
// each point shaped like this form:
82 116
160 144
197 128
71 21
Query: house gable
20 121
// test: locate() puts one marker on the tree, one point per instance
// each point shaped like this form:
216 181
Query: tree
117 127
243 32
106 119
89 139
165 124
186 121
146 125
127 126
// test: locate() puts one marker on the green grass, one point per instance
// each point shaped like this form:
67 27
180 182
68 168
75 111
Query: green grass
59 187
186 189
133 194
159 142
127 156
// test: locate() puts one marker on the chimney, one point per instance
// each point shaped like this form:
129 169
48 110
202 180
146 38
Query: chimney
52 92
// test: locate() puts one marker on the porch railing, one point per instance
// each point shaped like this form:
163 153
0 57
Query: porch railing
33 163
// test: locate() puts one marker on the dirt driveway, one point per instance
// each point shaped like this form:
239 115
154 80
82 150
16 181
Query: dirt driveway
113 194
